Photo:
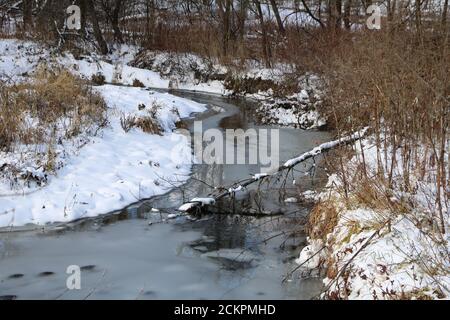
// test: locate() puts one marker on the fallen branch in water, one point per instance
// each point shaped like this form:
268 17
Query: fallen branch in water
198 203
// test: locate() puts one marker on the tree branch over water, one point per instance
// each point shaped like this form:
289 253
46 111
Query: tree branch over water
197 203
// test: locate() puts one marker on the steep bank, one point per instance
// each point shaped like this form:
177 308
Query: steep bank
379 241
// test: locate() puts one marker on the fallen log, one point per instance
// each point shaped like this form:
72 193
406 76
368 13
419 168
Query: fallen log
198 203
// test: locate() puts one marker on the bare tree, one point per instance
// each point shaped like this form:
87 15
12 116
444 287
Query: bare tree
346 15
225 11
27 14
444 13
97 31
276 12
112 11
264 39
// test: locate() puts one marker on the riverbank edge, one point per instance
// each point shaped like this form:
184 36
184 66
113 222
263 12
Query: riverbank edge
367 247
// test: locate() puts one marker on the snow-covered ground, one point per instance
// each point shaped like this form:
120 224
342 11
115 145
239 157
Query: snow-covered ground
118 70
18 58
298 110
390 249
109 170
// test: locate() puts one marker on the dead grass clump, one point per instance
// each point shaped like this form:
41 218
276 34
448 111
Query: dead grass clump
148 124
98 79
244 85
127 122
323 219
138 84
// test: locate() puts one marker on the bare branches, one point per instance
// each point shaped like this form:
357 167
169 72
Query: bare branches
289 165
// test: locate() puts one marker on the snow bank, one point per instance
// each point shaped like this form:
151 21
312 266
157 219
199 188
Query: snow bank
115 168
300 110
375 253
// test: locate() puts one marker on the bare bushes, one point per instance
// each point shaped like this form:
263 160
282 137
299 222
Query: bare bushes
398 84
98 79
148 122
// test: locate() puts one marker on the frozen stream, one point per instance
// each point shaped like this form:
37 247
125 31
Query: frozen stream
137 254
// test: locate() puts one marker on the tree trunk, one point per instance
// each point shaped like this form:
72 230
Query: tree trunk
225 10
97 31
82 5
338 11
334 14
347 12
391 6
242 18
27 14
444 13
43 19
265 40
276 12
418 15
115 21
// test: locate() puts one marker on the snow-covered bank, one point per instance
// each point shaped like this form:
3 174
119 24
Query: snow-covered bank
252 80
129 66
299 110
379 242
115 168
117 68
97 173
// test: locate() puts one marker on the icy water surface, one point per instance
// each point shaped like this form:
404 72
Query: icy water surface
139 253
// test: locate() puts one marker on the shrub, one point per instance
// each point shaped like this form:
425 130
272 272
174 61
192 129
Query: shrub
148 124
138 84
98 79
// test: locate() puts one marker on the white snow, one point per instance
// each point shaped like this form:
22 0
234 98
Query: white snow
260 176
194 203
19 58
187 207
325 146
291 200
204 201
119 72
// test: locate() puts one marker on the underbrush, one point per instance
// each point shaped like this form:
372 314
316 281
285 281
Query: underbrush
380 239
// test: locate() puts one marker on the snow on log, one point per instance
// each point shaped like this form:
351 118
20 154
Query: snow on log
325 147
194 203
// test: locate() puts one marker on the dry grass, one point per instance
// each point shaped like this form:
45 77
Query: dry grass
148 124
138 84
54 105
322 219
98 79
